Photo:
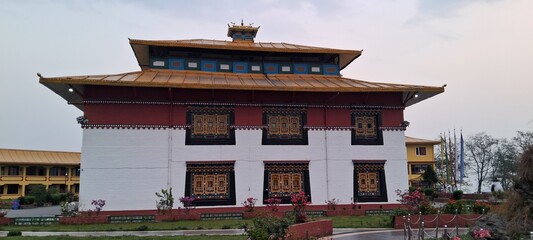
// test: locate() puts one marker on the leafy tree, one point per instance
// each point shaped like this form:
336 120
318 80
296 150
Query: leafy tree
429 177
506 162
523 140
480 152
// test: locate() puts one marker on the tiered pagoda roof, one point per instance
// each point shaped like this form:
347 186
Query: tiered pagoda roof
151 76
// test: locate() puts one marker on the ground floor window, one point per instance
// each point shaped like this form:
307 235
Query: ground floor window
75 188
419 168
12 189
211 183
282 179
369 181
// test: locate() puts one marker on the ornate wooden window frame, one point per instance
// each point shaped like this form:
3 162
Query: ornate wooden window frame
285 139
369 169
217 179
366 140
286 173
212 138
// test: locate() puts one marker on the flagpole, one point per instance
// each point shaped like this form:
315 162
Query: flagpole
462 157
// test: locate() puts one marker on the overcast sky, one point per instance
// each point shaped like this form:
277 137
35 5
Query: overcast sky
482 50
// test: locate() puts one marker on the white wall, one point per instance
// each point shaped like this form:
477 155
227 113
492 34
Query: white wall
126 167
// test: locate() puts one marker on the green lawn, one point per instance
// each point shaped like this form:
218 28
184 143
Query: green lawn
338 222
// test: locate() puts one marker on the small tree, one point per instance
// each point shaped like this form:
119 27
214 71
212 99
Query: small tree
429 177
166 201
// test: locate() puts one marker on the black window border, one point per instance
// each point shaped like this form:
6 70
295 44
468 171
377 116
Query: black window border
302 141
287 200
189 140
363 141
382 181
212 202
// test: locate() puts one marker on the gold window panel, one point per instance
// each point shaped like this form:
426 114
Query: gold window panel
210 124
210 184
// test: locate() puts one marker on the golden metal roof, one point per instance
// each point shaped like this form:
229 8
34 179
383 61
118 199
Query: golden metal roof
34 157
140 48
238 81
413 141
232 81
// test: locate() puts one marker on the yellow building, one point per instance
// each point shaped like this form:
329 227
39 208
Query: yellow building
420 155
21 169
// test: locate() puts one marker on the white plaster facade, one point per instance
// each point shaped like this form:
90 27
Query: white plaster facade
126 167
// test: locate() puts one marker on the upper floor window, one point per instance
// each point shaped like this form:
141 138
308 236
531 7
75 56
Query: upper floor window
11 171
210 126
421 151
284 126
366 129
58 171
36 171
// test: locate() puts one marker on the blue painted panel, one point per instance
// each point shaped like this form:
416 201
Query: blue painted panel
300 68
271 68
240 67
209 66
331 69
176 63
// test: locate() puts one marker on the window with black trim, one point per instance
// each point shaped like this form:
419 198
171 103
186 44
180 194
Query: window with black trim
369 181
211 183
284 126
420 151
210 126
285 178
366 129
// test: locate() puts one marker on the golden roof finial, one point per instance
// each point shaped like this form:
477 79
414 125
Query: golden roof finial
242 32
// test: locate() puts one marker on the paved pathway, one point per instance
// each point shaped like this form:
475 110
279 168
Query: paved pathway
35 212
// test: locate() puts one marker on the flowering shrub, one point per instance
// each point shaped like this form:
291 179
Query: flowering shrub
481 207
273 204
332 204
187 203
481 234
415 201
98 205
268 228
249 204
299 202
69 209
